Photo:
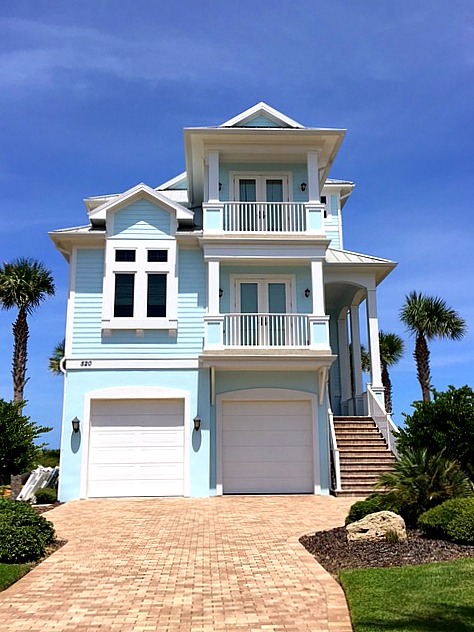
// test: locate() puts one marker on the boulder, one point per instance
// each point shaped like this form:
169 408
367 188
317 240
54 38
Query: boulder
375 527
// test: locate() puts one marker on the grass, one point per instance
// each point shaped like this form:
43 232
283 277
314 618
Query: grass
425 598
10 573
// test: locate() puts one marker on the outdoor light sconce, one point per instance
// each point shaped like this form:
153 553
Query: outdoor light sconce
220 186
197 423
303 186
307 292
221 292
75 424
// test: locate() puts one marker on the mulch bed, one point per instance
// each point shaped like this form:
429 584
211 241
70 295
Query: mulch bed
335 553
41 509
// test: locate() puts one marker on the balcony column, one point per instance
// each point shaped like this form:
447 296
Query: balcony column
374 349
344 364
313 177
213 282
213 168
356 360
213 321
318 321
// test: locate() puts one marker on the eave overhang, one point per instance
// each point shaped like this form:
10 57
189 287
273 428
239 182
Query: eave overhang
272 144
346 261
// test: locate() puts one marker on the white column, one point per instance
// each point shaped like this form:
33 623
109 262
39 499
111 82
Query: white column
213 287
373 331
317 289
356 355
313 177
213 167
344 365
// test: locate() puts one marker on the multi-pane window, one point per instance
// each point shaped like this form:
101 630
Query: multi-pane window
125 255
124 295
156 296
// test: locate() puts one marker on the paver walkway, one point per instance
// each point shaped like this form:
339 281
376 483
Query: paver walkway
230 563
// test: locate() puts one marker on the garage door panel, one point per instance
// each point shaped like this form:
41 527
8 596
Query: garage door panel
136 448
267 447
259 438
277 453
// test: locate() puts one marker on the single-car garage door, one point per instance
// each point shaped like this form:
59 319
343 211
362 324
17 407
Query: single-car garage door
267 447
136 448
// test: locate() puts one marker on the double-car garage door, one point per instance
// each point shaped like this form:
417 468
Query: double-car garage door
137 447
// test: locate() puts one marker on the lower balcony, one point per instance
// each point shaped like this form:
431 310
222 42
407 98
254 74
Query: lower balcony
266 332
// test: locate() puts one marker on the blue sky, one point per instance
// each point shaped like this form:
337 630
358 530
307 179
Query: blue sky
94 96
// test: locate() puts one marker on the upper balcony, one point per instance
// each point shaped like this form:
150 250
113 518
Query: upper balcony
244 218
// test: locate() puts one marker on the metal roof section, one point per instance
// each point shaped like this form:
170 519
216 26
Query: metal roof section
175 183
335 255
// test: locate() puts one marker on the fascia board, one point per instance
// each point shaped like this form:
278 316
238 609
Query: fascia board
170 183
261 109
135 193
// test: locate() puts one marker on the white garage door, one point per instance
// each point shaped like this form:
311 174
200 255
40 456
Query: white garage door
136 448
267 447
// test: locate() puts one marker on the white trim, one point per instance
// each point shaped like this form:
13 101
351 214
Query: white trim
261 178
68 337
95 364
141 267
267 394
134 392
169 184
261 109
262 281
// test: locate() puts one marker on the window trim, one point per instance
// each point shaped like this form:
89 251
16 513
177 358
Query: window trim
141 267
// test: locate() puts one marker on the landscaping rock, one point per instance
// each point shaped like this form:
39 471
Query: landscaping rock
375 527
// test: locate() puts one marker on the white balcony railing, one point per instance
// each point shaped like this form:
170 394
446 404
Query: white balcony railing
266 330
268 217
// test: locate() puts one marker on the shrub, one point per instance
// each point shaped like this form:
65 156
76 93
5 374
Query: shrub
420 481
372 504
445 423
23 533
452 520
392 537
46 495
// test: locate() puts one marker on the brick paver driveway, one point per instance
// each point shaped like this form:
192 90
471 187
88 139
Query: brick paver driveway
231 563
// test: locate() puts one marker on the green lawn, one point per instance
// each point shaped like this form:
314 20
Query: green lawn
427 598
10 573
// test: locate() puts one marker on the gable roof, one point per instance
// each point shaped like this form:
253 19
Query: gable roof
263 112
135 193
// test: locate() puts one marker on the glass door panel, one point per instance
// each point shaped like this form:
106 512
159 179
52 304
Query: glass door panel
277 304
274 199
249 305
248 193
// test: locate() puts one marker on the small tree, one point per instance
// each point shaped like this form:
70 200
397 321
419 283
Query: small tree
429 318
445 423
54 363
392 349
18 452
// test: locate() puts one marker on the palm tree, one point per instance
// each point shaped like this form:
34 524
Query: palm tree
24 284
54 364
429 318
392 349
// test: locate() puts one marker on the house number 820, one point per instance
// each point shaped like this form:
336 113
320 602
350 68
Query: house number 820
86 363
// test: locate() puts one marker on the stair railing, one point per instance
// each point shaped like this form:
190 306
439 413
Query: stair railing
383 420
334 450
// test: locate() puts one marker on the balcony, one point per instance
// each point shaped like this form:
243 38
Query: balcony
263 332
263 217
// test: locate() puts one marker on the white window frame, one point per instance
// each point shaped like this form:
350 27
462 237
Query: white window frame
261 177
141 267
263 281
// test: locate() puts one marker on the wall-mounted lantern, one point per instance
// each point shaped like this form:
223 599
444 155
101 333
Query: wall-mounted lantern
307 292
197 423
303 186
75 424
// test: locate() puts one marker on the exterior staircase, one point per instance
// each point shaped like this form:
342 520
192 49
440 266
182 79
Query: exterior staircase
363 455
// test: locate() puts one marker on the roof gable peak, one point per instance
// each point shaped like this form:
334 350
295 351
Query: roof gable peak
261 115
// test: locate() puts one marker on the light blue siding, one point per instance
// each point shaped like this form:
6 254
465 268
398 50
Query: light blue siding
87 331
303 281
332 222
299 173
79 383
141 220
262 121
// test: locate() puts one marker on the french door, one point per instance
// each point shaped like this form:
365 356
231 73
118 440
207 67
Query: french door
263 196
263 304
